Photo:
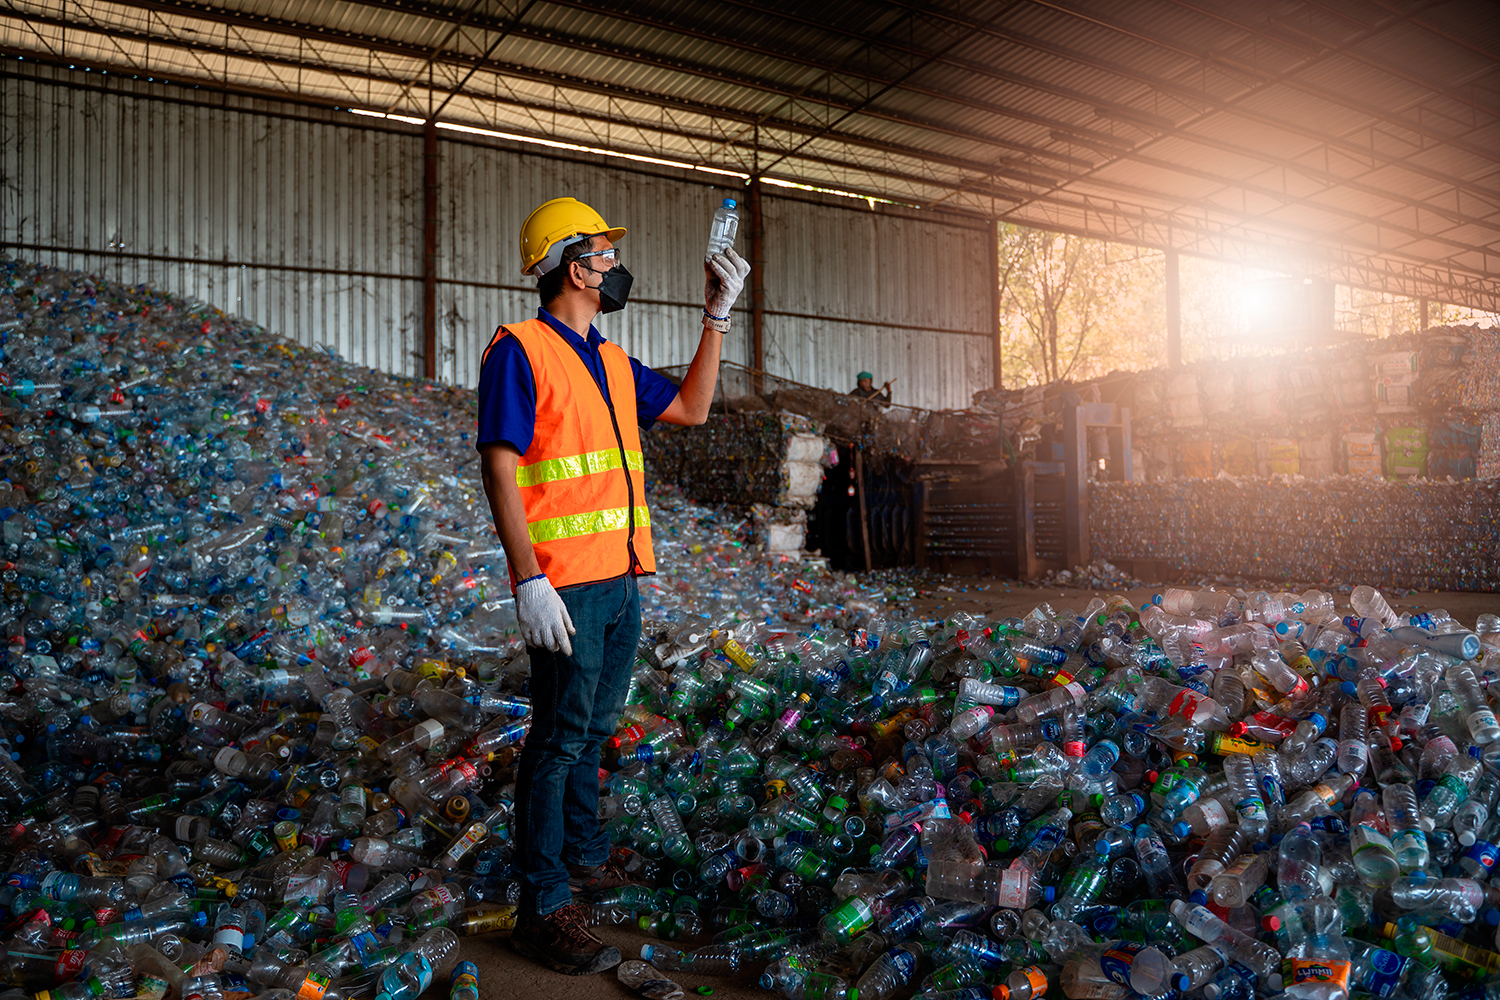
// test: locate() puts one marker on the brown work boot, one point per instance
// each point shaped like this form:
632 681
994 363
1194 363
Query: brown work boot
563 941
610 875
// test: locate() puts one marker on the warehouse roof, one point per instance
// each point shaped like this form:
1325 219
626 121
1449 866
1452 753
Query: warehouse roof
1356 139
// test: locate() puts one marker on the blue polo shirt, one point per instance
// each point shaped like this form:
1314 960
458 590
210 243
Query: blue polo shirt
507 387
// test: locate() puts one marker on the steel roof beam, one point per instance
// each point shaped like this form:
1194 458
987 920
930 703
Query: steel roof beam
1249 152
1281 79
981 169
1192 97
1317 52
188 8
559 80
558 38
863 166
1294 232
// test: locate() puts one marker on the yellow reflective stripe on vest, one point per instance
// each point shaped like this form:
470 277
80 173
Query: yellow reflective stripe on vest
593 523
550 470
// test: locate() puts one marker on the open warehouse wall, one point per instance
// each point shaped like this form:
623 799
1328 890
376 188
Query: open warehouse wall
310 223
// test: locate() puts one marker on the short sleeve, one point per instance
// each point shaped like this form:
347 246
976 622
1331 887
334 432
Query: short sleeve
507 397
654 392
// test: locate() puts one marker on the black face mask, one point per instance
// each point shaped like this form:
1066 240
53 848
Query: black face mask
614 288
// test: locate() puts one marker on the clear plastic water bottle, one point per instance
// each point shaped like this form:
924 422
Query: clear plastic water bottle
725 225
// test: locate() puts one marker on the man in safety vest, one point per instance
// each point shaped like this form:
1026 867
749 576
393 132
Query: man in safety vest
560 414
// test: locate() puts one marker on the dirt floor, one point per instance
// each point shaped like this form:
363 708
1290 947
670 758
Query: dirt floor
503 975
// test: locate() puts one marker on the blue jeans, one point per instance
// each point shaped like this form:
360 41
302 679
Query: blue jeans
575 705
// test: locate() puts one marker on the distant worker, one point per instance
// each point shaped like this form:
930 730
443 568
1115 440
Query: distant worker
560 417
865 389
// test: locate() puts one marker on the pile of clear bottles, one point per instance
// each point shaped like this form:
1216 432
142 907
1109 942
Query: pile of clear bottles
263 700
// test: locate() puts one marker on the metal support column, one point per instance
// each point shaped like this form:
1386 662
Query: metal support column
864 516
757 288
1174 310
429 248
1424 315
995 328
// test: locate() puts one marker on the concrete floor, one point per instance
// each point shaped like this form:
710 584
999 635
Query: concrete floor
503 975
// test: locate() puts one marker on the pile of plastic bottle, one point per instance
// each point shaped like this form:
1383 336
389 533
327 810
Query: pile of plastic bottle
263 701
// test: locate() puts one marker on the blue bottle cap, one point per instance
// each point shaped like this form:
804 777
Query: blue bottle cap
1198 898
730 203
1349 689
1181 828
1181 981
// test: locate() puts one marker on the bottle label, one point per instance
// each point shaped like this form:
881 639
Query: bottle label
1317 970
1186 703
465 983
1035 978
314 986
1241 865
1366 838
1484 855
1118 960
1410 840
1275 723
903 961
69 964
1251 809
52 885
1214 813
430 730
1011 891
438 895
423 969
184 827
1223 744
1384 977
1270 786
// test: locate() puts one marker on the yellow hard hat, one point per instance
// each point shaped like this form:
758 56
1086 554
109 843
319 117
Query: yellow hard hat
552 225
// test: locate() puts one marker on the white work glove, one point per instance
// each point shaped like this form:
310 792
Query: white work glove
542 616
725 280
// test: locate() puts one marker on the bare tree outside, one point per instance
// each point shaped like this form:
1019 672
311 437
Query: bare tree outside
1076 308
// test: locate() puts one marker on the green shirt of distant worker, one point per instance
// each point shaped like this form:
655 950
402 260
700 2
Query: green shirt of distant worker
864 388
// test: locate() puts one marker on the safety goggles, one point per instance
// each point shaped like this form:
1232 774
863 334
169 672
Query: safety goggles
611 257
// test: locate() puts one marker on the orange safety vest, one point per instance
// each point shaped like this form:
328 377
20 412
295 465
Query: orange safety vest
581 480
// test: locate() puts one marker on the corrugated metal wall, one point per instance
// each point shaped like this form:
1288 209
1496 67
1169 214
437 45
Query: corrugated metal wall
896 279
305 227
487 193
309 222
